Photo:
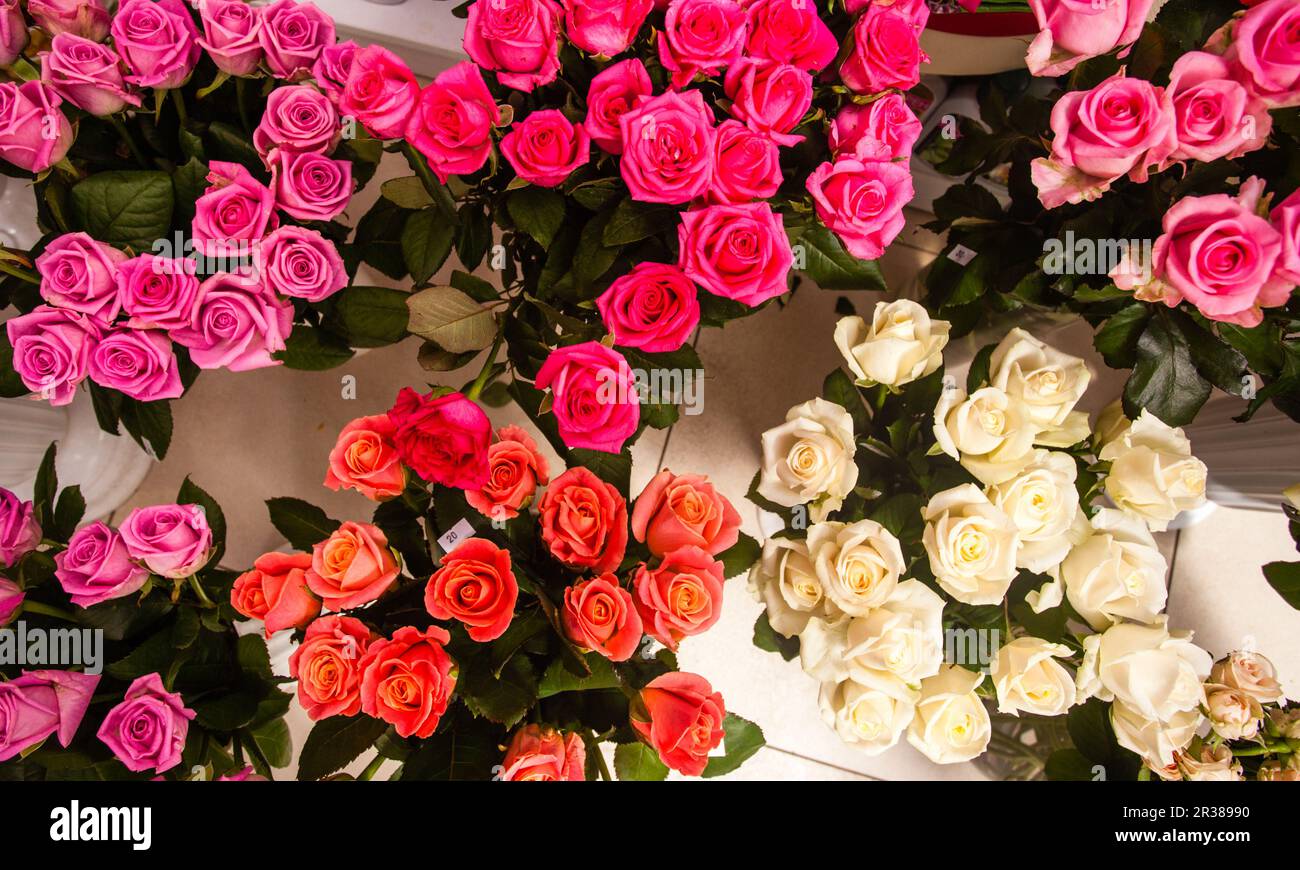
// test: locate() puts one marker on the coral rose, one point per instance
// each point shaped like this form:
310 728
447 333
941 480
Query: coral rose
600 615
584 521
407 680
685 720
515 469
475 586
365 458
327 666
352 567
275 591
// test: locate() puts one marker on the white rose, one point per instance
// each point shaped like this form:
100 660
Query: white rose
1049 382
901 345
1111 424
1251 673
972 545
951 724
857 564
1158 742
784 581
809 458
1211 764
821 649
1044 504
902 638
870 716
1027 678
1153 474
1117 573
1234 715
1155 673
989 432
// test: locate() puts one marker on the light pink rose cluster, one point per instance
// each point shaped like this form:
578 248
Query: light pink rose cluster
34 132
1071 31
287 37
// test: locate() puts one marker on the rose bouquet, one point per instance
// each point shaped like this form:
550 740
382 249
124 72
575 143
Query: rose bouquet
118 643
950 549
191 170
498 618
1151 191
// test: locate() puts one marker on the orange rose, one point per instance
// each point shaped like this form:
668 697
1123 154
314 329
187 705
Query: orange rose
680 598
584 521
365 459
352 567
276 592
684 511
327 666
407 680
476 586
599 615
515 468
685 721
539 753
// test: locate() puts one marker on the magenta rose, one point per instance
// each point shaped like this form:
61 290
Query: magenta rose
380 92
443 439
746 165
739 252
770 97
333 66
1071 31
884 129
594 393
668 148
1266 49
13 31
86 74
886 51
51 350
654 307
232 32
546 147
612 94
301 263
172 540
158 41
1214 115
790 31
453 120
96 567
1285 218
309 186
11 598
293 35
86 18
519 40
157 292
39 704
19 531
137 362
148 729
235 208
861 201
297 118
701 37
80 274
237 324
604 27
1219 255
34 132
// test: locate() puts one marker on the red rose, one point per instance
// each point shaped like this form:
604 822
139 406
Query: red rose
443 439
685 721
407 680
276 592
680 598
327 666
584 521
600 615
476 586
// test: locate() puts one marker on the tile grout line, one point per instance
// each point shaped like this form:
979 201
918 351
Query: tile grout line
808 758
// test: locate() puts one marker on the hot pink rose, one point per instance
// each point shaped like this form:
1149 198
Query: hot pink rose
293 35
861 201
1219 255
96 567
1266 49
1285 218
886 51
668 147
333 67
684 510
790 31
86 18
365 458
612 95
19 531
583 521
327 666
232 35
86 74
1071 31
157 292
137 362
452 124
515 469
770 97
539 753
11 598
739 252
701 37
516 39
297 118
172 540
275 591
300 263
746 165
604 27
884 129
600 615
352 567
408 680
34 132
13 31
684 722
237 324
1214 115
310 186
158 41
39 704
595 400
682 597
148 729
235 208
80 274
654 307
546 147
444 439
51 350
381 92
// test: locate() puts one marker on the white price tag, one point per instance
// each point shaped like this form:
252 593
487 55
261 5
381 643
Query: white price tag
961 255
455 535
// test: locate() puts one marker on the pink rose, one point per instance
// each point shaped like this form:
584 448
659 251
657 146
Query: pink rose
516 39
86 74
97 568
539 753
604 27
148 729
1214 116
365 458
884 129
381 92
545 147
886 51
746 165
235 208
327 666
39 704
156 292
739 252
19 531
158 41
861 201
293 35
1286 220
332 68
232 34
515 469
34 132
444 439
80 274
137 362
86 18
612 95
596 405
452 123
701 37
13 31
770 97
51 350
297 118
310 186
1219 255
654 307
1266 49
684 510
173 540
11 598
682 597
275 591
300 263
790 31
668 148
237 324
1071 31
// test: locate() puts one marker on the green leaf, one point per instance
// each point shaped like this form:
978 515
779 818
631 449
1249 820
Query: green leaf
313 349
450 319
592 259
1069 765
636 762
615 468
192 493
1090 731
333 744
149 423
840 389
978 374
474 287
767 639
474 236
537 211
378 240
559 679
633 221
742 739
407 192
1217 361
370 316
505 698
275 742
226 712
188 183
123 207
1117 339
462 749
1165 380
830 266
426 241
1284 577
153 655
47 486
738 558
303 524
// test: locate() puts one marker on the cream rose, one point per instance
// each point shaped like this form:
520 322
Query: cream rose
809 458
1117 573
901 345
989 432
972 545
1159 743
951 724
1251 673
1233 714
1292 494
1027 678
784 582
1211 764
857 564
1156 674
1049 382
1111 424
821 649
1153 474
1043 503
869 716
902 638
